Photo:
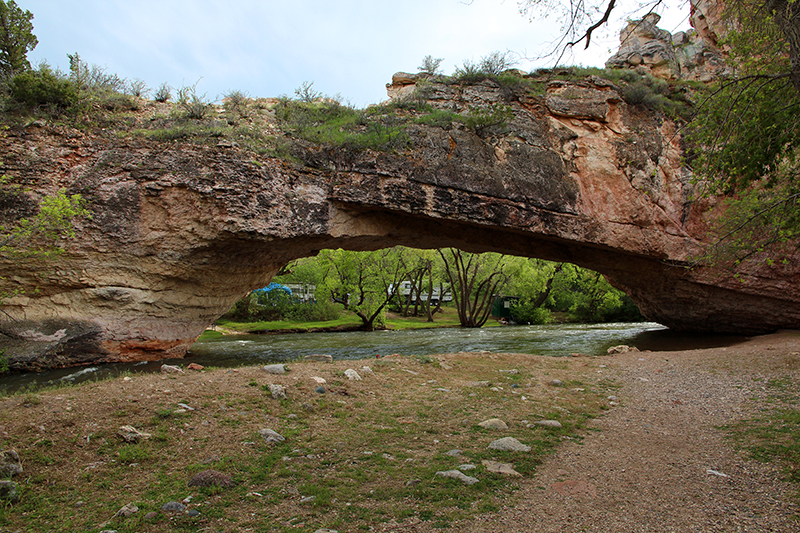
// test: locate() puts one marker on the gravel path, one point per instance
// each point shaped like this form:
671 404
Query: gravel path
659 462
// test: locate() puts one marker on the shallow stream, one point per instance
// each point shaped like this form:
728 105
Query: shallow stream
242 350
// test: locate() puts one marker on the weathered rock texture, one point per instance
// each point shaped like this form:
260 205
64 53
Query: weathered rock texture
690 55
179 232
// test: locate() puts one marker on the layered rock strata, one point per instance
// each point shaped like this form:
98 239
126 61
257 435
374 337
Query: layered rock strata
179 232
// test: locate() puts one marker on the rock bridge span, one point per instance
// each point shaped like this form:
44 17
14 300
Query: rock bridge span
179 231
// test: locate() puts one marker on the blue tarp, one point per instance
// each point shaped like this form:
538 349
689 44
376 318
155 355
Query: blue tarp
273 287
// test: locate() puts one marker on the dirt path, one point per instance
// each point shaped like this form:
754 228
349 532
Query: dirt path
659 462
652 465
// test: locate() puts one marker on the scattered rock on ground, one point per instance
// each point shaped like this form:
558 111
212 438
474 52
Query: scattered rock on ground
500 468
458 474
194 366
211 478
319 380
326 530
493 423
352 374
275 369
277 391
171 369
466 466
454 453
366 370
173 507
127 511
193 512
319 390
9 491
509 444
131 434
556 383
478 384
10 464
548 423
622 348
152 515
271 436
319 358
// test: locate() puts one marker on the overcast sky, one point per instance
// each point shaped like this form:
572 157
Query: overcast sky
270 47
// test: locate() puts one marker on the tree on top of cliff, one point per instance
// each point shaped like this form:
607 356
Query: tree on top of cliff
16 38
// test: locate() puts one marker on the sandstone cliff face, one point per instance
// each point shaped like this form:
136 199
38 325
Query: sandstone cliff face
179 232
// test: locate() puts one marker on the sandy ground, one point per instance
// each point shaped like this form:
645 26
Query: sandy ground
660 461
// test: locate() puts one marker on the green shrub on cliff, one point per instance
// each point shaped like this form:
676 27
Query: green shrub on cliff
43 87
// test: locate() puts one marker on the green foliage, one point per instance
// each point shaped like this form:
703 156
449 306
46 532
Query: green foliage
43 87
39 235
430 65
329 122
192 105
306 93
484 119
163 93
488 67
16 38
526 312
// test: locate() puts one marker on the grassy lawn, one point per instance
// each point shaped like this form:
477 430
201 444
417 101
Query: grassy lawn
448 317
364 453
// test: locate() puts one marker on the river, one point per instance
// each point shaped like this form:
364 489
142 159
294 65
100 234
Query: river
242 350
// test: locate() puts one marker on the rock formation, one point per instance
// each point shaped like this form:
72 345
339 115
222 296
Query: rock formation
691 55
181 231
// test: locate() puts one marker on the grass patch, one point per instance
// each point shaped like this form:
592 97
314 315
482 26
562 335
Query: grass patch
348 461
774 436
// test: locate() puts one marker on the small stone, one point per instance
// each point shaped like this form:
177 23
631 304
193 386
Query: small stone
211 478
479 384
556 383
454 453
501 468
366 370
275 369
466 466
509 444
131 434
127 379
127 511
292 416
10 464
548 423
9 491
192 512
152 515
171 369
319 380
458 474
319 358
326 530
271 436
277 391
352 374
512 371
319 390
173 507
612 398
194 366
308 499
493 423
622 348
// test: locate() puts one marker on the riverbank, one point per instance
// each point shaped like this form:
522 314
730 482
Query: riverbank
639 447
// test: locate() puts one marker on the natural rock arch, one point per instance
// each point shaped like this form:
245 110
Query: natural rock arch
179 232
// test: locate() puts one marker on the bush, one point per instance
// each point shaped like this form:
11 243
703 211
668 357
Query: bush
43 87
430 65
524 312
191 104
163 93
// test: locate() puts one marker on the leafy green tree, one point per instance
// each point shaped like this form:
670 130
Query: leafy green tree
16 38
39 235
363 282
475 280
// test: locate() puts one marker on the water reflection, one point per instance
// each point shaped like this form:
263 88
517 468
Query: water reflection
552 340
